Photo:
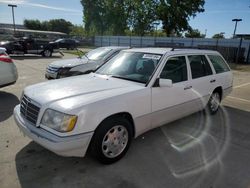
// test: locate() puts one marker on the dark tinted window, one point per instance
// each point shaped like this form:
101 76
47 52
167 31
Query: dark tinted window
175 69
218 63
199 66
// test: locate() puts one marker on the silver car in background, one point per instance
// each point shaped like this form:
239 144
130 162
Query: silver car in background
8 71
82 65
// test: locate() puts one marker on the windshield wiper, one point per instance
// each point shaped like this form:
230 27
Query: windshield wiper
86 56
129 79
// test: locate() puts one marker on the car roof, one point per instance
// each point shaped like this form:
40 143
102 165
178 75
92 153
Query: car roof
169 50
116 47
2 49
150 50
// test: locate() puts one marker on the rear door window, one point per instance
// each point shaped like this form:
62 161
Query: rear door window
199 66
218 63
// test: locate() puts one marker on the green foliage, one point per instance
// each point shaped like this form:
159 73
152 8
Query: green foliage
194 33
59 25
77 30
175 14
133 17
104 17
32 24
218 36
141 16
117 17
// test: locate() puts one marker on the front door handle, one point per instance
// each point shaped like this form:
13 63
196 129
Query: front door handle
188 87
212 81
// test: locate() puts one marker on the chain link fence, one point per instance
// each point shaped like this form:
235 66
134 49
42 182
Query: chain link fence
233 50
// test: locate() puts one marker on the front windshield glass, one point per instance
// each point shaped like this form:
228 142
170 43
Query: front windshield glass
58 40
98 54
134 66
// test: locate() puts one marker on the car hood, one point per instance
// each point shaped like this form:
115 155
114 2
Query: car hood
69 62
2 43
51 91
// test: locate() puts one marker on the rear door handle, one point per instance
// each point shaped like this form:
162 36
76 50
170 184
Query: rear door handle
188 87
212 81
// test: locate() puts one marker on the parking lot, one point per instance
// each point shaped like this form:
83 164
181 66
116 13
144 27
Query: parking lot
197 151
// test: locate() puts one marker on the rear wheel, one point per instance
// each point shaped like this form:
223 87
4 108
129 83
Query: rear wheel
47 53
111 140
214 102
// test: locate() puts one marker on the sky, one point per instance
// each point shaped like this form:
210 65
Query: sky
217 17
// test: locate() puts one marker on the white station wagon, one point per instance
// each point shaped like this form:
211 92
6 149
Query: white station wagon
137 90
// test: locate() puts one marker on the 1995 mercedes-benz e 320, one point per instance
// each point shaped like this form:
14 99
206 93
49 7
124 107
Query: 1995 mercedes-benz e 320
137 90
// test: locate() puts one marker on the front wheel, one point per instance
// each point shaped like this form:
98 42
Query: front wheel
111 140
214 102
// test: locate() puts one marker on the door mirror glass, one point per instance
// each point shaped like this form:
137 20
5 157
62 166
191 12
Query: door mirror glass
165 82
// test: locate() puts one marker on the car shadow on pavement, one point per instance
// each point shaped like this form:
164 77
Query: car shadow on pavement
186 153
25 57
7 103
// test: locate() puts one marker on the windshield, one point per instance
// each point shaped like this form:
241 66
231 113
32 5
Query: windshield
134 66
58 40
98 54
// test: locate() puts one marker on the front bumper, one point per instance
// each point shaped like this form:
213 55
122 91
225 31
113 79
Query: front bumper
50 75
72 146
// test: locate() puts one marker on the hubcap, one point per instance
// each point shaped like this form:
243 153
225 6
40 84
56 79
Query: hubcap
47 53
215 101
115 141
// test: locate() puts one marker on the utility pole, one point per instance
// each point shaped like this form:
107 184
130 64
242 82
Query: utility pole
236 20
13 16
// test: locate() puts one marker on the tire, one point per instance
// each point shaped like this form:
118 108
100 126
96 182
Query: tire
111 140
47 53
214 102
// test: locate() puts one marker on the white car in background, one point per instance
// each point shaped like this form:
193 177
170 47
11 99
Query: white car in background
8 71
137 90
82 65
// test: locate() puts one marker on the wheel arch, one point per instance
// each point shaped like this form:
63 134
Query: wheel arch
125 115
219 90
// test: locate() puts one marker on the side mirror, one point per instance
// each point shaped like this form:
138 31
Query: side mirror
165 83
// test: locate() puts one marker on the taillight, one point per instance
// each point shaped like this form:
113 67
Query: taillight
5 58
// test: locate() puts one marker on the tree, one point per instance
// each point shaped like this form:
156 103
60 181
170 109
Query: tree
59 25
175 14
116 16
77 30
141 15
219 35
194 33
104 17
94 16
32 24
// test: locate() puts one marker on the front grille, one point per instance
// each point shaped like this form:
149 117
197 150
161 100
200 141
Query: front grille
29 110
52 69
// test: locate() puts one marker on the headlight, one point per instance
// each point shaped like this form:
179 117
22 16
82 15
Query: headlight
59 121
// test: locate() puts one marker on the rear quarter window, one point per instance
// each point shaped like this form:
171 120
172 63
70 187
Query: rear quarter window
218 63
